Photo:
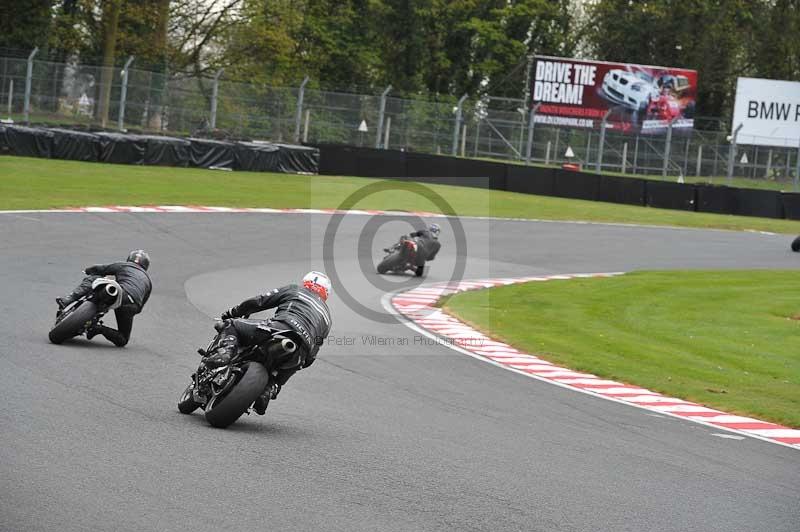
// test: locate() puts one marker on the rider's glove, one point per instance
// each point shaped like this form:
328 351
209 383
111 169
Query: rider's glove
227 315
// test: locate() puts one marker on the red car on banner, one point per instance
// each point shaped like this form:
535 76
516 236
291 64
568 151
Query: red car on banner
640 98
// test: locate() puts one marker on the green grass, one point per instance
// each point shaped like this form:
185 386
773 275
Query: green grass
28 183
728 340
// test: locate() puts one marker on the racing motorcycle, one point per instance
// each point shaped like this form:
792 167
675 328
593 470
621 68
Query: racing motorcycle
227 392
78 317
403 256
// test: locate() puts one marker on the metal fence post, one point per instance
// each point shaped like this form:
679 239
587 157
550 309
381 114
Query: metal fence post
769 165
380 117
636 154
732 152
212 123
797 170
699 160
457 127
667 148
123 95
299 114
305 125
531 118
28 79
10 95
624 157
599 165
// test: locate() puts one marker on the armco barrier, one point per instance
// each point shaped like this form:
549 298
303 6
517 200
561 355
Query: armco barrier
29 141
113 147
716 199
626 190
373 163
167 151
121 149
575 185
427 168
666 195
530 180
336 159
791 205
75 146
763 203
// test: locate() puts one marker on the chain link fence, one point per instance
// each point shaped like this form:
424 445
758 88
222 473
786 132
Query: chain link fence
73 94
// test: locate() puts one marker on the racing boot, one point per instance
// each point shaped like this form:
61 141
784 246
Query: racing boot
260 405
94 330
224 352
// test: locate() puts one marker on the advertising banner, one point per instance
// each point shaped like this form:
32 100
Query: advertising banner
641 98
769 111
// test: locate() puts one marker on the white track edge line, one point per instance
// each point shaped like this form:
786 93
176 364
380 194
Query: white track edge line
397 213
408 322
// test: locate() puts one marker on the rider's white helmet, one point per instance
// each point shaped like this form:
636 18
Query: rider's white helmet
318 282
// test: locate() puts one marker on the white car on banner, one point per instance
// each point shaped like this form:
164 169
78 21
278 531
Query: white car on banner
628 89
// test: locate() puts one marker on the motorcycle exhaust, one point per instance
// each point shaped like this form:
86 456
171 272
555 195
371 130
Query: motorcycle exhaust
288 346
111 290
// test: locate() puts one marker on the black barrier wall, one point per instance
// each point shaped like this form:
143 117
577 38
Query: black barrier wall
110 147
445 170
334 159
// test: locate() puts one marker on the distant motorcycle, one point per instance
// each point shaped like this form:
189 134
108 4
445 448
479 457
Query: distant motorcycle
796 244
86 312
403 256
227 392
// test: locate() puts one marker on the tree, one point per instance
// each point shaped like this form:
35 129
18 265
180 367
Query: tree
110 24
24 24
710 36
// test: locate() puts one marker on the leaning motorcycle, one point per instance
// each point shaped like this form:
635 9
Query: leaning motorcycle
86 312
227 392
403 256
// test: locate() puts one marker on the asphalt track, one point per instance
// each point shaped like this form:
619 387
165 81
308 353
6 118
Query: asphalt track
372 437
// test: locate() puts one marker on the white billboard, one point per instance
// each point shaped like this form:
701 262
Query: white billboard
769 111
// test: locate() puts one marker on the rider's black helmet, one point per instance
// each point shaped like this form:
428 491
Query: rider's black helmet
140 257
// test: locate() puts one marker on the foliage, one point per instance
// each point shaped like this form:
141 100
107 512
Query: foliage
423 48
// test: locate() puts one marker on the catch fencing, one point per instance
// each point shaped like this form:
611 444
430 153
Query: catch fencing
126 98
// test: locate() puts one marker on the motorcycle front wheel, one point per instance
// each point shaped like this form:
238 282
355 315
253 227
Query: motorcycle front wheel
73 323
222 410
187 404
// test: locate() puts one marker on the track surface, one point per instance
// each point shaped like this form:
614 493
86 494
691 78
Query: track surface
372 437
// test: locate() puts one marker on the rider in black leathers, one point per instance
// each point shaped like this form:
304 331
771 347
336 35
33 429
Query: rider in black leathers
428 244
300 309
132 277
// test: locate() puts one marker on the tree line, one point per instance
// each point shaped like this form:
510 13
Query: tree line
423 48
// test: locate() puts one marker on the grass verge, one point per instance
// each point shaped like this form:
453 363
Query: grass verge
28 183
724 339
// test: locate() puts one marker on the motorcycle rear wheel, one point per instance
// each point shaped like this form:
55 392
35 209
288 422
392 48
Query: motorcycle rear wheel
73 323
222 411
187 404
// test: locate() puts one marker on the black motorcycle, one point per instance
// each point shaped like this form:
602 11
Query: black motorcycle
78 317
227 392
403 256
